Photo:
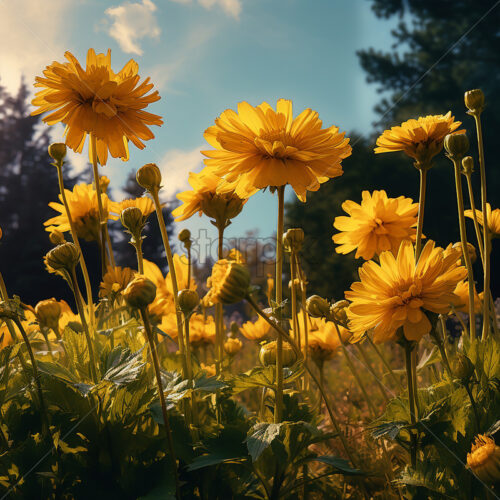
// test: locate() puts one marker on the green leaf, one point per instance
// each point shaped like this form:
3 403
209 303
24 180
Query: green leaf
260 437
493 429
123 366
388 429
340 464
203 383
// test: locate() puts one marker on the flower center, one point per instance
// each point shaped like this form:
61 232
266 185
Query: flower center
379 227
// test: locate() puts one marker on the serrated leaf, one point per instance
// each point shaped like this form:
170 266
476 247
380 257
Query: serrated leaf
123 366
388 429
260 437
493 429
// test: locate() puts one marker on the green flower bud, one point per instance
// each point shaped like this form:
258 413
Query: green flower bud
188 300
317 307
463 367
56 237
140 292
149 177
184 235
293 239
48 313
338 311
57 151
456 146
474 100
267 354
64 256
132 219
468 165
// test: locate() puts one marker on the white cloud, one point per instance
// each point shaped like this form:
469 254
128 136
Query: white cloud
175 167
131 22
33 33
231 7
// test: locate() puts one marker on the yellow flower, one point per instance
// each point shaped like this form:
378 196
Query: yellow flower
260 147
209 369
201 330
421 139
163 303
323 338
228 283
257 330
143 203
97 101
115 281
378 224
484 459
205 198
462 291
396 292
82 202
493 217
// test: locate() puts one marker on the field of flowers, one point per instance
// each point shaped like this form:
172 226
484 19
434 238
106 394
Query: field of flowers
150 391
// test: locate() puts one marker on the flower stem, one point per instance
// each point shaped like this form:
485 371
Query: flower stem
156 364
463 239
385 362
192 414
328 405
88 287
473 404
411 399
486 229
278 404
480 242
79 306
36 376
440 343
421 206
138 250
171 269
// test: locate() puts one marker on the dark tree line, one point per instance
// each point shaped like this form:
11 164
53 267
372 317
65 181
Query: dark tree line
440 50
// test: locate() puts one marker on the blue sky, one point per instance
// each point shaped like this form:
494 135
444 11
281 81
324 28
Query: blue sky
206 56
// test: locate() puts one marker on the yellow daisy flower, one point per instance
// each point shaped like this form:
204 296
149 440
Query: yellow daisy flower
257 330
260 147
97 101
323 338
115 281
205 198
397 292
143 203
493 217
421 139
377 224
82 202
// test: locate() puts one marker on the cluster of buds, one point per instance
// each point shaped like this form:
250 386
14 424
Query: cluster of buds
318 307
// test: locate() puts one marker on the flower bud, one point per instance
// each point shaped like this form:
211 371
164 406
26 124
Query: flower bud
474 100
338 311
184 236
235 329
132 219
468 165
140 292
484 459
104 183
188 300
209 369
48 313
232 346
64 256
293 239
470 247
267 354
456 146
229 282
463 367
57 151
56 237
149 177
317 307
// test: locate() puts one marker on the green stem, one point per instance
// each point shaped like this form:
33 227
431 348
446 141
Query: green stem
463 239
74 235
79 306
138 250
156 364
421 206
36 376
328 405
440 344
473 404
385 362
411 399
192 414
486 229
278 404
479 238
